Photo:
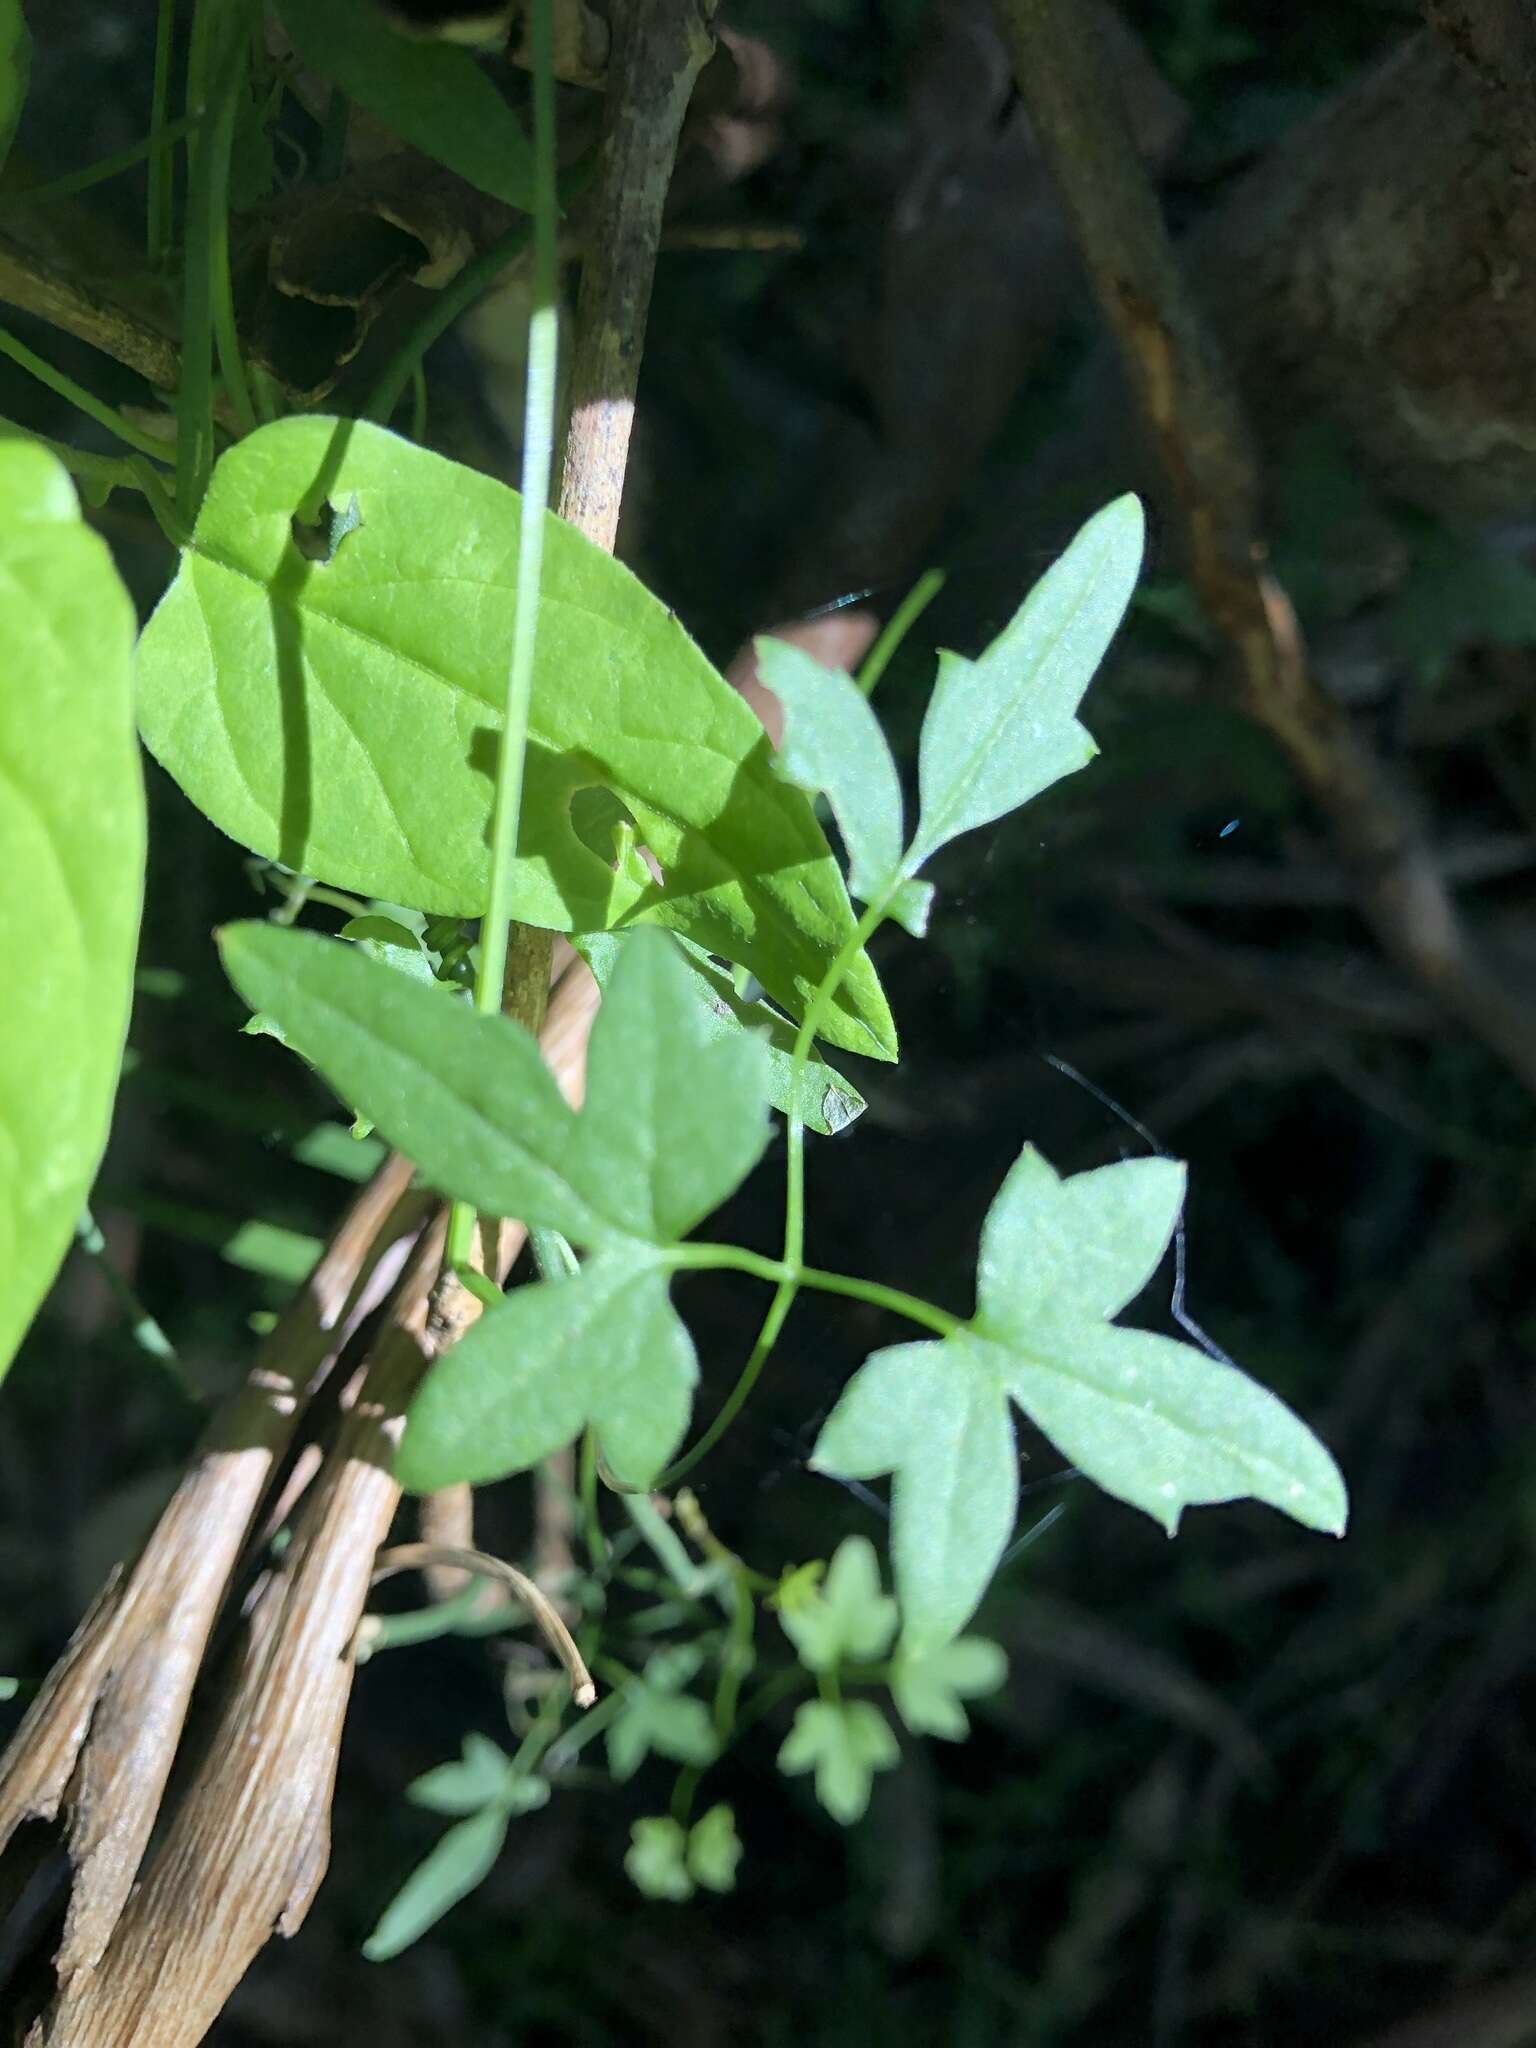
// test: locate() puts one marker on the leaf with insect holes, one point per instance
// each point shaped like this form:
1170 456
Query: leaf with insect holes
847 1619
432 94
1001 729
1151 1420
343 715
72 855
828 1102
844 1742
927 1690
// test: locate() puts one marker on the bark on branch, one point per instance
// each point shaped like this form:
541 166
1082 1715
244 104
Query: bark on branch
1202 442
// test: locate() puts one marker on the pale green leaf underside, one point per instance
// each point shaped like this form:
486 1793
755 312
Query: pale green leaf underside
1001 729
461 1860
342 716
1151 1420
928 1689
936 1417
72 855
833 742
430 93
606 1348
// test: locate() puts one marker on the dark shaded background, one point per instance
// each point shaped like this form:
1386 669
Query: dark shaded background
1252 1787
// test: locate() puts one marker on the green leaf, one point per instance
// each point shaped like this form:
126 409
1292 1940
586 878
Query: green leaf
484 1775
393 944
15 70
430 93
844 1742
658 1717
714 1850
847 1619
342 716
464 1858
606 1348
833 742
1001 729
674 1119
828 1102
1152 1421
1090 1242
467 1097
72 855
935 1414
675 1115
656 1860
928 1689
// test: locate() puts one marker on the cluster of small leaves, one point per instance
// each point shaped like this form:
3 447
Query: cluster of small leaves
839 1630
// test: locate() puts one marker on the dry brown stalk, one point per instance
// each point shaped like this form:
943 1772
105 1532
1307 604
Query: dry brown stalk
97 1743
1202 442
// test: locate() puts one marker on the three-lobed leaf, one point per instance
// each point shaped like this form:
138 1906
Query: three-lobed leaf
1001 729
605 1348
1151 1420
72 854
847 1619
928 1689
342 716
844 1742
674 1119
431 93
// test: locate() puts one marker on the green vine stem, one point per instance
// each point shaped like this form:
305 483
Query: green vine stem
538 462
159 222
790 1272
897 627
82 400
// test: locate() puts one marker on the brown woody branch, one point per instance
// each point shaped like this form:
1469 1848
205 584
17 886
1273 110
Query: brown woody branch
1201 439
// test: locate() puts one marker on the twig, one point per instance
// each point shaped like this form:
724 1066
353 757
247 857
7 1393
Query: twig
1202 441
97 1743
659 49
407 1557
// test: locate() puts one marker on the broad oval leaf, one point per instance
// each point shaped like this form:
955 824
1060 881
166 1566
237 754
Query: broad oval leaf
72 854
1001 729
936 1415
431 93
833 742
342 716
1159 1424
605 1348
